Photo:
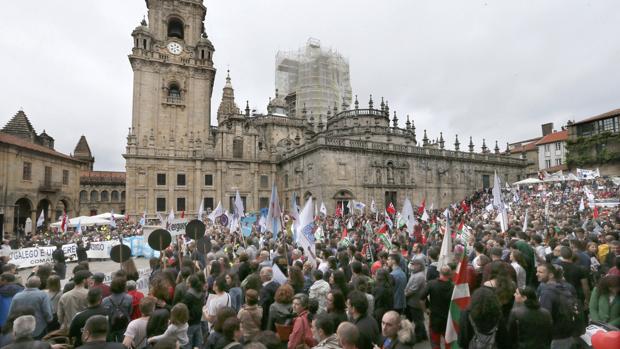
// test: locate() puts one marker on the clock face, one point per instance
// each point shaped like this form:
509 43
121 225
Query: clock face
175 48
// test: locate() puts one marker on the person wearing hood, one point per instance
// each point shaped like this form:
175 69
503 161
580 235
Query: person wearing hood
8 288
324 332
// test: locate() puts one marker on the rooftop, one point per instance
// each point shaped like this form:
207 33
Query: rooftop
553 137
524 148
609 114
25 144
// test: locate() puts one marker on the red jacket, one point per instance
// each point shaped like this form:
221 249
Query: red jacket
302 332
135 303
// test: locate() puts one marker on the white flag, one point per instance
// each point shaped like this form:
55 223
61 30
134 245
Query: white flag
41 219
407 215
112 220
78 227
274 224
373 206
216 213
497 191
143 219
239 209
358 205
446 254
201 209
582 206
323 209
525 221
305 232
170 216
161 219
425 216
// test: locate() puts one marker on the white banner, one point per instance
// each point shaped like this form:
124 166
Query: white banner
33 256
177 227
101 249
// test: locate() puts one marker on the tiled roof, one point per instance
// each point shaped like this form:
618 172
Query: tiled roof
556 168
25 144
20 126
102 177
615 112
554 137
524 148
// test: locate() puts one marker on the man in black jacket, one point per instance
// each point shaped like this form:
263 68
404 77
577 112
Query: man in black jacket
193 299
79 320
267 293
357 306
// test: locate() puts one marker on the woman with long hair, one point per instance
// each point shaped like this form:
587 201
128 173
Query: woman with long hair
605 301
338 281
529 325
302 331
503 287
296 279
483 323
337 307
383 293
236 294
129 266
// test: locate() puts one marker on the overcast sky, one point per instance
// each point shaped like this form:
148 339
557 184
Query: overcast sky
490 69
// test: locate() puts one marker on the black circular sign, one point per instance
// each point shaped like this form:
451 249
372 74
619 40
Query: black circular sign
120 253
195 229
160 239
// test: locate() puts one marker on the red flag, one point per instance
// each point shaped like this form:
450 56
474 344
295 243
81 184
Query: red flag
595 213
383 229
390 209
339 210
182 213
464 206
422 207
63 224
345 233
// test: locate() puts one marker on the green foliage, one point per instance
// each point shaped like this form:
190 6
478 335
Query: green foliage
582 151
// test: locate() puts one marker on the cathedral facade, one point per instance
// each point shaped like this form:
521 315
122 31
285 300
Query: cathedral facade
175 158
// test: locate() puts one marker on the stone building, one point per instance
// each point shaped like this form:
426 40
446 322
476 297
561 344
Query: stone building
100 191
175 159
34 176
595 143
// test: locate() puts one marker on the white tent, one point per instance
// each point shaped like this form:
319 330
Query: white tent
108 215
85 221
528 181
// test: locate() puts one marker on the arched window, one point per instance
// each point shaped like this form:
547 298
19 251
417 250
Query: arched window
105 197
174 91
237 148
175 28
94 196
83 196
115 196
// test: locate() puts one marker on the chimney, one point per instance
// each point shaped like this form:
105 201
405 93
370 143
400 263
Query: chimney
547 128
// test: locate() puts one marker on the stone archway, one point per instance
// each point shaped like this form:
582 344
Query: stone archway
44 205
23 211
343 199
60 208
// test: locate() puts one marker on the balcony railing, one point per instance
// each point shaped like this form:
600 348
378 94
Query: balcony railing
50 187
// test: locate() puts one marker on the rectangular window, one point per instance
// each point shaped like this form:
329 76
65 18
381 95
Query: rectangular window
208 204
546 147
65 177
208 180
161 204
47 180
547 163
558 146
486 181
285 181
264 181
180 204
27 171
237 148
263 202
558 162
161 179
181 179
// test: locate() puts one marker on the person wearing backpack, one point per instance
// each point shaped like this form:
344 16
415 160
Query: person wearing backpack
118 306
560 299
482 325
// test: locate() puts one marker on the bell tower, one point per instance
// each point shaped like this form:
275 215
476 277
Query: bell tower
173 75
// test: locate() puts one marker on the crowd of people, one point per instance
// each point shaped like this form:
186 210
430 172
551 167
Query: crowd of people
374 282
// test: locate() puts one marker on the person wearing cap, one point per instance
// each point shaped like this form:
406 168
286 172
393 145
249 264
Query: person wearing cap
413 291
94 334
98 279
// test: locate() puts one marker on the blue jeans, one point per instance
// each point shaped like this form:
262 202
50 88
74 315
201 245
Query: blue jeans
194 333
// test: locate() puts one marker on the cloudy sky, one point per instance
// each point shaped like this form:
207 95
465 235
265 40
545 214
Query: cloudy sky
489 69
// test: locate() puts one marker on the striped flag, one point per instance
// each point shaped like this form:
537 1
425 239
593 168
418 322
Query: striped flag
459 302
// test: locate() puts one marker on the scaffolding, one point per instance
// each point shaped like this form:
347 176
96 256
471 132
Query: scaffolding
318 78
